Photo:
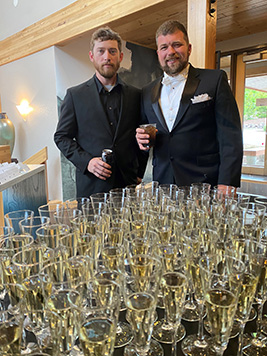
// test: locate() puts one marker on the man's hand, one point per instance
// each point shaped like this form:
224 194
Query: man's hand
99 168
227 190
142 139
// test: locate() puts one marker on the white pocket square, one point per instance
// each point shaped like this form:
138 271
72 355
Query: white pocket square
200 98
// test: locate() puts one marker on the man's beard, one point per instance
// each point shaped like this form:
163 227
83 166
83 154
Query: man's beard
108 72
176 68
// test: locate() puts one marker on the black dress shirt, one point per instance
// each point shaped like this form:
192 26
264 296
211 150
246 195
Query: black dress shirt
111 101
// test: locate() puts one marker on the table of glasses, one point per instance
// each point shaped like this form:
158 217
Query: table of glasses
155 270
191 329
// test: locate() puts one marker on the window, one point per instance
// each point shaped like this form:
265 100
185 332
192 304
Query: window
247 74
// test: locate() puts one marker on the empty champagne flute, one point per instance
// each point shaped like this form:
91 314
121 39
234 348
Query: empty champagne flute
13 218
49 210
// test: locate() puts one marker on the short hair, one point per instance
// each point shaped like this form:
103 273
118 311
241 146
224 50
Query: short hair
105 34
169 27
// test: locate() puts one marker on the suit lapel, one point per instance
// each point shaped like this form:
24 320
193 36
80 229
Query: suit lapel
155 95
188 93
124 103
98 109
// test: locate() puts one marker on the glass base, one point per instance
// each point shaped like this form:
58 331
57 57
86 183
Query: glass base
253 314
124 334
155 349
191 311
163 332
192 346
255 344
234 331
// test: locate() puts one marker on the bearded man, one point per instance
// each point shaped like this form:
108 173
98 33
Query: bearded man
102 113
199 138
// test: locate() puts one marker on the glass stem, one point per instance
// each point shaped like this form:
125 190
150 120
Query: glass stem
240 339
174 343
259 319
200 333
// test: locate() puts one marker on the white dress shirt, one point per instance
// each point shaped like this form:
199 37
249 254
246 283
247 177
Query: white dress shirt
170 96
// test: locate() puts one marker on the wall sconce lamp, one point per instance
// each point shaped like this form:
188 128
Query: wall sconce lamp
24 108
212 10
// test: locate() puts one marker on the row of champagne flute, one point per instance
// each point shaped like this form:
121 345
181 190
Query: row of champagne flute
159 221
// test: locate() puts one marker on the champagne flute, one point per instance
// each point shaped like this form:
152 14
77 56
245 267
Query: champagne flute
10 246
221 282
111 263
174 289
172 256
78 203
96 310
6 231
50 235
199 243
140 241
13 218
11 317
30 262
142 275
253 261
31 224
58 279
255 343
49 210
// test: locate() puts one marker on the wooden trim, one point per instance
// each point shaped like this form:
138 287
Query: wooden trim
70 22
253 180
5 154
240 79
40 157
2 219
253 170
201 26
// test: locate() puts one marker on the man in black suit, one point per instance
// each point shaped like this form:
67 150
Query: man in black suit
99 114
199 136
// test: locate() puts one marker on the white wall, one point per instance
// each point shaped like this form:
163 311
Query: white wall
33 78
26 13
73 65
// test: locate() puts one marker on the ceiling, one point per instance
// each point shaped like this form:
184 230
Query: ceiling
235 18
136 21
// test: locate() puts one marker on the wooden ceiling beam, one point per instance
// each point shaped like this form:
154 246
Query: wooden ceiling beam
74 20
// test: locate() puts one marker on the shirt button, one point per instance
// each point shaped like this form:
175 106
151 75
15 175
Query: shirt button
111 123
171 158
110 108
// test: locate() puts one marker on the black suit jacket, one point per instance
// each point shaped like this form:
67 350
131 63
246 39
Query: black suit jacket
205 144
83 131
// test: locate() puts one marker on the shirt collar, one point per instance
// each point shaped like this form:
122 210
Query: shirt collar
100 86
170 80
